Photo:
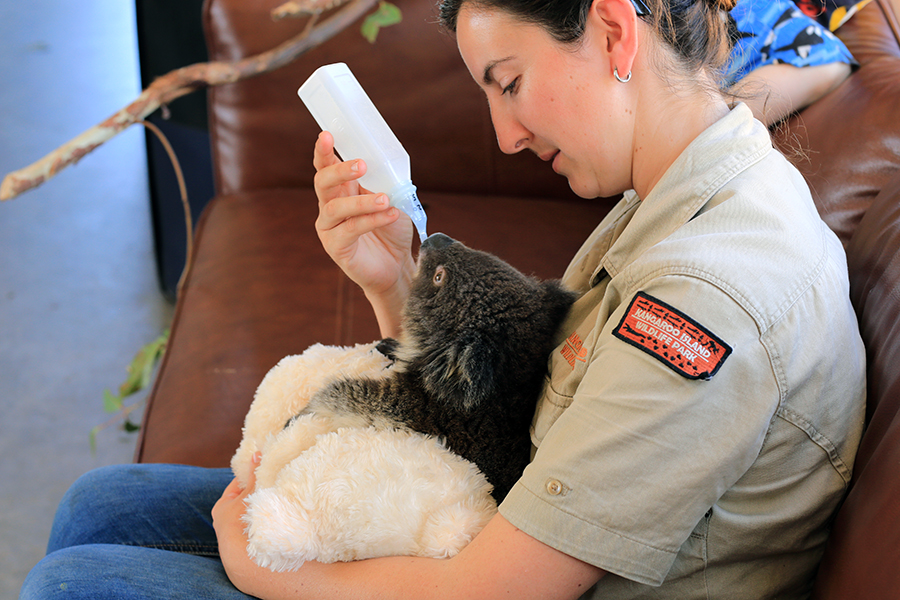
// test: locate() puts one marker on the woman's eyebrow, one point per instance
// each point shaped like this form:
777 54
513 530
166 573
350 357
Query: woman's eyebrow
487 78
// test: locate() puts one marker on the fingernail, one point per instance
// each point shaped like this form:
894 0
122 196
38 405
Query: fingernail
257 458
355 166
381 199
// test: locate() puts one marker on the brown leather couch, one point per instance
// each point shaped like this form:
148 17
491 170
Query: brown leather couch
261 287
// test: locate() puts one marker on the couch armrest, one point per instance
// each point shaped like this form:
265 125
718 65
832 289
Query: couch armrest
864 548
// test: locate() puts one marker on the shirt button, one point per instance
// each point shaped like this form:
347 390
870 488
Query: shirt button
554 487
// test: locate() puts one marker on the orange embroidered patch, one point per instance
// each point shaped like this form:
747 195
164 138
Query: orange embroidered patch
672 337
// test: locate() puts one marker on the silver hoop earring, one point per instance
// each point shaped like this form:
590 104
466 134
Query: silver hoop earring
619 79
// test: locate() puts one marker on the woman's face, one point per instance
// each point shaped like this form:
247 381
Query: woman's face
555 100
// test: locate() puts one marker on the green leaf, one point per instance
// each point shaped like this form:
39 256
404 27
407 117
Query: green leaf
111 403
140 371
386 15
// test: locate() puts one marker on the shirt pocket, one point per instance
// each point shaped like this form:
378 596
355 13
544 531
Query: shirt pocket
550 407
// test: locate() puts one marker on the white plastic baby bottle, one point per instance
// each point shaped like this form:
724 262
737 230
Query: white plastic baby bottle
340 106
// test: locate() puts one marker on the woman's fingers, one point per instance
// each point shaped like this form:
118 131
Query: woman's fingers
339 231
332 174
339 180
323 152
342 209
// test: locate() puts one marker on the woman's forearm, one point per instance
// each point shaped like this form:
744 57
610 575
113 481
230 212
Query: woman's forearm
387 313
388 306
395 577
501 562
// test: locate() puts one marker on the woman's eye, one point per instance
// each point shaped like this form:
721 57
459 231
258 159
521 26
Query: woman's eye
511 88
439 275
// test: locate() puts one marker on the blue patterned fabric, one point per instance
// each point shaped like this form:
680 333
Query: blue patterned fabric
778 32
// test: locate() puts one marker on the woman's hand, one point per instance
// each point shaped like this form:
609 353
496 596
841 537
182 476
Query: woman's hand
230 528
368 239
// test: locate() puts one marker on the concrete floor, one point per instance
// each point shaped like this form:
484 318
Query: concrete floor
78 290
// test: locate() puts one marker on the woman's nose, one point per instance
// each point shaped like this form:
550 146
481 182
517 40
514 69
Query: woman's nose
512 136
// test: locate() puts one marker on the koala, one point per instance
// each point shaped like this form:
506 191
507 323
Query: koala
470 362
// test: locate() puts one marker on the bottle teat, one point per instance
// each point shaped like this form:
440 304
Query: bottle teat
403 196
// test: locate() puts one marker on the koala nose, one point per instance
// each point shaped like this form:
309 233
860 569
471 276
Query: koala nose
436 241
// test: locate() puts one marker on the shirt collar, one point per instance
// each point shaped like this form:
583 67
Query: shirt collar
729 146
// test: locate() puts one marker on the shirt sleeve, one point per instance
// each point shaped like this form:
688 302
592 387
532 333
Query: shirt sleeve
640 452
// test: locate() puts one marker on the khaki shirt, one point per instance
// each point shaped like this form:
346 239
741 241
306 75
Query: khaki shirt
701 416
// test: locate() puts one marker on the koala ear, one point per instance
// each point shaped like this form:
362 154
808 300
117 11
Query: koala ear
462 374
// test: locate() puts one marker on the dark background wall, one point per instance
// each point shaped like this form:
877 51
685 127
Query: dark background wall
170 36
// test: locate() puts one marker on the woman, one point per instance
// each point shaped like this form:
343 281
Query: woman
656 471
701 417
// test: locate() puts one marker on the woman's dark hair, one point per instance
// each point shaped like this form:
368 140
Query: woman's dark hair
697 30
564 21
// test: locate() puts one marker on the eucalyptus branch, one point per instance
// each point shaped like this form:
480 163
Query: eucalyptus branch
176 84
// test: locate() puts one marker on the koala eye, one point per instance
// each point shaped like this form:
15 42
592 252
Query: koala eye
439 276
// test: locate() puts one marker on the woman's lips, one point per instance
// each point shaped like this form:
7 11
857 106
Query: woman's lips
551 156
555 164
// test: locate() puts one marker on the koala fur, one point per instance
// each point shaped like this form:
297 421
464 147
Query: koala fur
470 363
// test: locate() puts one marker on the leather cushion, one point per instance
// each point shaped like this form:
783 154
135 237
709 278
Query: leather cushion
863 548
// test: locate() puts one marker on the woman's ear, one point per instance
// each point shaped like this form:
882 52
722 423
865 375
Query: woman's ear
614 25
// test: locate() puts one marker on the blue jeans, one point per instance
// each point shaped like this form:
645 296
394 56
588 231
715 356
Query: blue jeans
135 531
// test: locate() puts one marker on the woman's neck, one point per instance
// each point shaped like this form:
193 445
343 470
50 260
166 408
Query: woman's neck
665 126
